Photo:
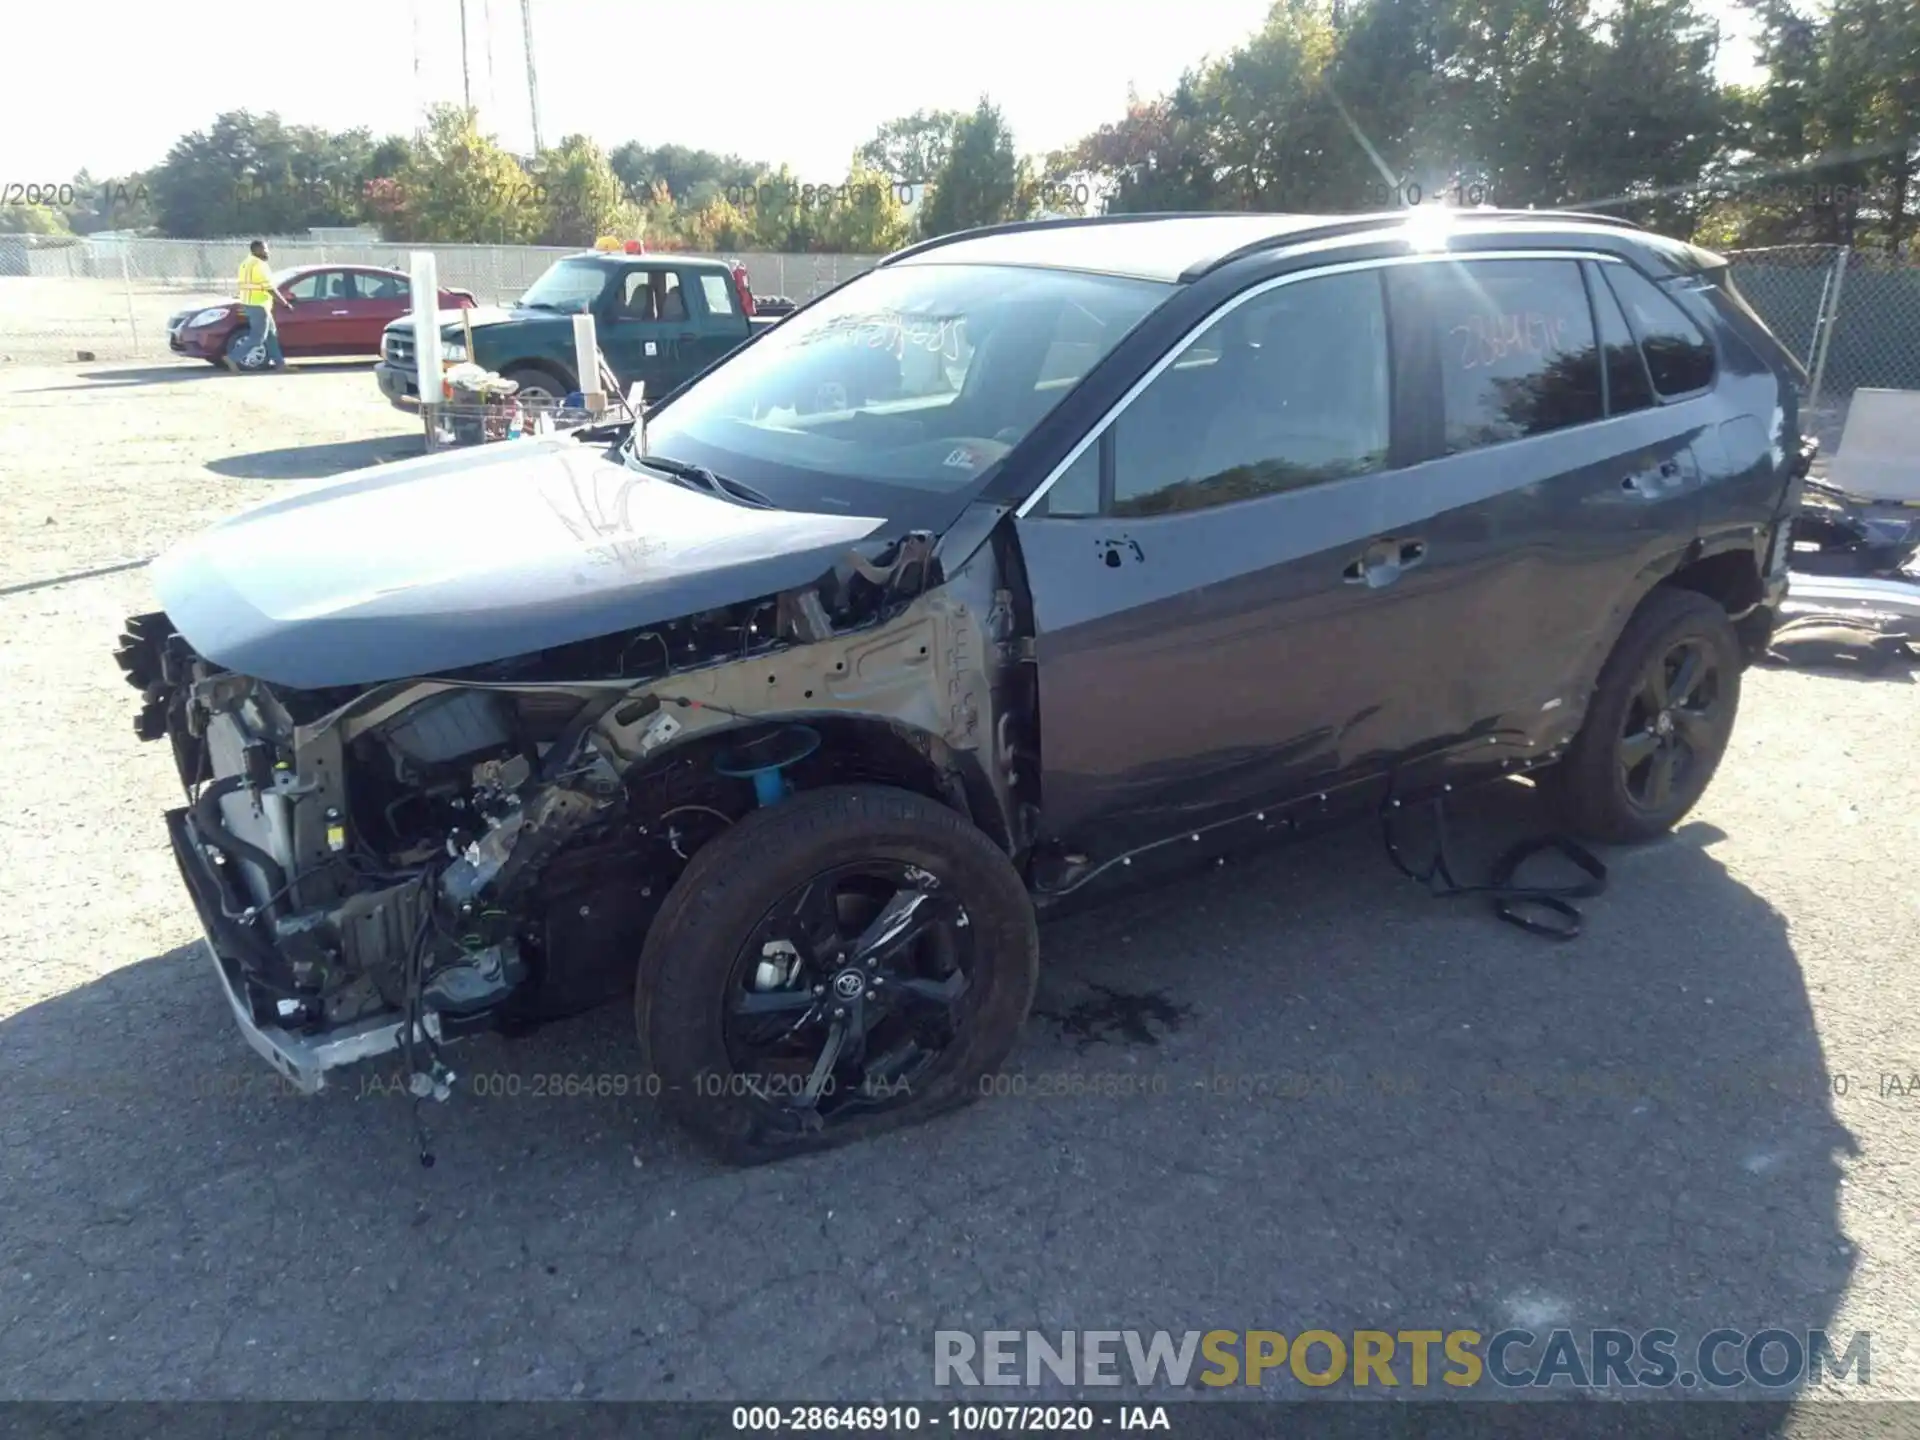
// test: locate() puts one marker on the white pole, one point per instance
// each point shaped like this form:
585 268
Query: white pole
426 335
586 358
126 285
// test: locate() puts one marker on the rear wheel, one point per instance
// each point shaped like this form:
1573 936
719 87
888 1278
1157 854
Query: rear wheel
834 965
1658 722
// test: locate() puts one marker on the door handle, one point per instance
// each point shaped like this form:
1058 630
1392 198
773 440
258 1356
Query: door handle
338 312
688 335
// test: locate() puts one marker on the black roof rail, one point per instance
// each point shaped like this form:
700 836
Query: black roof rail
1338 225
1059 222
1334 225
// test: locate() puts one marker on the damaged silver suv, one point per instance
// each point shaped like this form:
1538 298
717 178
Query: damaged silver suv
1032 561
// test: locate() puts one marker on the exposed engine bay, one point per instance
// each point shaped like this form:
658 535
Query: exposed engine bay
401 864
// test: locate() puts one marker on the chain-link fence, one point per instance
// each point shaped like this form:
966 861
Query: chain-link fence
109 298
1852 318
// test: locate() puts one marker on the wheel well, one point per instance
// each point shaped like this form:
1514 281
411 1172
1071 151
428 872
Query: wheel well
548 368
1732 578
852 751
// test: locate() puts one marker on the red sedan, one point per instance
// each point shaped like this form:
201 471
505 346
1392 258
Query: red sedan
336 310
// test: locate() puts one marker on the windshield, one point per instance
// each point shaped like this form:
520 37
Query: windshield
919 376
569 285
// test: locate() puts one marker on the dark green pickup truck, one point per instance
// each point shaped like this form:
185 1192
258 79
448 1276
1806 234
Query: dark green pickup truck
658 318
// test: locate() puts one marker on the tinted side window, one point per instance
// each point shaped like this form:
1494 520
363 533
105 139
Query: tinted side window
1517 352
1288 390
1628 388
1677 352
380 287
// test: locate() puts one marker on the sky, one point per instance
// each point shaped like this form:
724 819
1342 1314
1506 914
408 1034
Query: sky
818 77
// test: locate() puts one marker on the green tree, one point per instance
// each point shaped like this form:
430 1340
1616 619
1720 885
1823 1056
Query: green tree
581 196
1656 122
1833 132
1158 156
914 147
459 186
254 175
692 177
980 182
32 220
122 202
1278 140
867 218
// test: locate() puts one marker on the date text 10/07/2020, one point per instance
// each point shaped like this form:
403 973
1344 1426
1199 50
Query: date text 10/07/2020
960 1419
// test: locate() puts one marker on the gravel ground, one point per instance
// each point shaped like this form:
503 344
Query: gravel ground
1352 1106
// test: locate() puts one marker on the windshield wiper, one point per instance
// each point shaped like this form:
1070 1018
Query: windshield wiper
698 477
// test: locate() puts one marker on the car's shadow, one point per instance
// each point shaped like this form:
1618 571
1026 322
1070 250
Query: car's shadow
188 368
183 369
1295 1094
313 462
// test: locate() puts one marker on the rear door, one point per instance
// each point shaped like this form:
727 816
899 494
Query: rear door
1564 488
379 298
1231 581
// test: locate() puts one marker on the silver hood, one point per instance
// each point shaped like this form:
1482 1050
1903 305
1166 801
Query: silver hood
454 560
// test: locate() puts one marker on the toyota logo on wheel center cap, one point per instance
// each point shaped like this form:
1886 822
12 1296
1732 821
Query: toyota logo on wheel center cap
848 984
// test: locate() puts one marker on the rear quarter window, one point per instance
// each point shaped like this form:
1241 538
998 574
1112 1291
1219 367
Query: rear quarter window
717 291
1679 355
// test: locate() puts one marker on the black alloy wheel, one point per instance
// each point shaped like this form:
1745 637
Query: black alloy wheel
850 989
1656 724
1672 722
835 964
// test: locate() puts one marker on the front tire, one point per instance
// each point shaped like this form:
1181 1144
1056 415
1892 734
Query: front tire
538 390
245 358
1658 722
843 962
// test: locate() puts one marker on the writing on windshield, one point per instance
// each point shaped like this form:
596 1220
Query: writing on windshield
895 332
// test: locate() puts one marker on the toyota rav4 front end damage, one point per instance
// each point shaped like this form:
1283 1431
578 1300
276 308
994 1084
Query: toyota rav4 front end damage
381 860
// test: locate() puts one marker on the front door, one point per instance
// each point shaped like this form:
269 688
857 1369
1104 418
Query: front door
719 325
644 316
1232 584
306 323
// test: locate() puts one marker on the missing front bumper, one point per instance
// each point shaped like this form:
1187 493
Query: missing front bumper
301 1059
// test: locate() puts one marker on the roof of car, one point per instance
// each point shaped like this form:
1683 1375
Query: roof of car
1180 247
610 256
293 272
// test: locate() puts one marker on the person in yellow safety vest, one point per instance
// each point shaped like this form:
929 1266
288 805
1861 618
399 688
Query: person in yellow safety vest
257 298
